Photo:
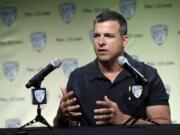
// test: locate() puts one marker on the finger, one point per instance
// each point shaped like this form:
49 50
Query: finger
71 111
65 93
100 122
103 117
69 102
70 108
104 103
73 108
67 96
103 111
63 90
75 114
108 101
113 105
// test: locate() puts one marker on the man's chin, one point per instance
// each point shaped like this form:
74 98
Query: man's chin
103 59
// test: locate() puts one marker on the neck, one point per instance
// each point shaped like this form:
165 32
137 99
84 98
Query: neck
109 66
110 69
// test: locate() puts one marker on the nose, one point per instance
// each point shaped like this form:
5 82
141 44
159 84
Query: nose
102 41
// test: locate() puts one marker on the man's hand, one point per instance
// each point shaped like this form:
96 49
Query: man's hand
110 113
68 107
68 104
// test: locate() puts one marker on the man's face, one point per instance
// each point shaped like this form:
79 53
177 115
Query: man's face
107 41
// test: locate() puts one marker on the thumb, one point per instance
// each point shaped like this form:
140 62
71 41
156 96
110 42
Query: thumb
107 99
110 102
63 90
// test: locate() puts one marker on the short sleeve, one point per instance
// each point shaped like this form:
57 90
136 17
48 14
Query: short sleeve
157 92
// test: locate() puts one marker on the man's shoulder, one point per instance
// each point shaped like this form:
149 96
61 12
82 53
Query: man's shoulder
143 68
144 65
83 69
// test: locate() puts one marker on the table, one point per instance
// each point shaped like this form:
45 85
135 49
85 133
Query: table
110 130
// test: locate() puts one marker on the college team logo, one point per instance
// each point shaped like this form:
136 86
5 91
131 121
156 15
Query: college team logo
137 90
67 11
38 40
8 15
12 123
10 70
69 65
39 95
128 8
159 33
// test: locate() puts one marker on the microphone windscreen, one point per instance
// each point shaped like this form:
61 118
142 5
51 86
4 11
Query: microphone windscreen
56 62
122 60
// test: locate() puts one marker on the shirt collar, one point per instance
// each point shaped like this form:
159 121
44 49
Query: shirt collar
134 62
95 73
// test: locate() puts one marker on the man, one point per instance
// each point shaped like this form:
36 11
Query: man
100 93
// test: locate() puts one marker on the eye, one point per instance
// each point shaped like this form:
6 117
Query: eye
95 35
109 35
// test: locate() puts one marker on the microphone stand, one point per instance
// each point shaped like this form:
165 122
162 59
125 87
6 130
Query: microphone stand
39 117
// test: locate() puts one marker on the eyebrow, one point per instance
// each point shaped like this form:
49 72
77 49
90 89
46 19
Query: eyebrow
105 34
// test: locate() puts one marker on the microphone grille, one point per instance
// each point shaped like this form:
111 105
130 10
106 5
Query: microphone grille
56 62
122 60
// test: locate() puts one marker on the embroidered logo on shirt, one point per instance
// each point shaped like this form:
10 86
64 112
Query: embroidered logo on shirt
137 90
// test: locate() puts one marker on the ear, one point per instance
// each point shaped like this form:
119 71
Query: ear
125 41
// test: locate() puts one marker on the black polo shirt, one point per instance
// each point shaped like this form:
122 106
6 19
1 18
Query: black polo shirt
90 85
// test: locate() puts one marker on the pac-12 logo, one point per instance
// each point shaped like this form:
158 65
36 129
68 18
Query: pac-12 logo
137 90
10 70
159 33
13 123
69 65
39 95
38 40
8 15
128 8
67 11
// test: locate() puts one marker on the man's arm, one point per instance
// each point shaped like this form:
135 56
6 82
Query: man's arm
159 113
68 107
112 114
59 119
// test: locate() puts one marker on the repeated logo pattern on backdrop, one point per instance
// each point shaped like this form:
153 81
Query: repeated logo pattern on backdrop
38 40
159 33
67 11
32 33
128 8
8 15
10 69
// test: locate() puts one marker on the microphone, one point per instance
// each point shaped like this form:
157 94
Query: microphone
135 73
36 80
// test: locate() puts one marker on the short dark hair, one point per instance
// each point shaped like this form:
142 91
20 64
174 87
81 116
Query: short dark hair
114 16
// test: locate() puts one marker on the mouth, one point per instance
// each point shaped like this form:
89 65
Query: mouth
102 51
